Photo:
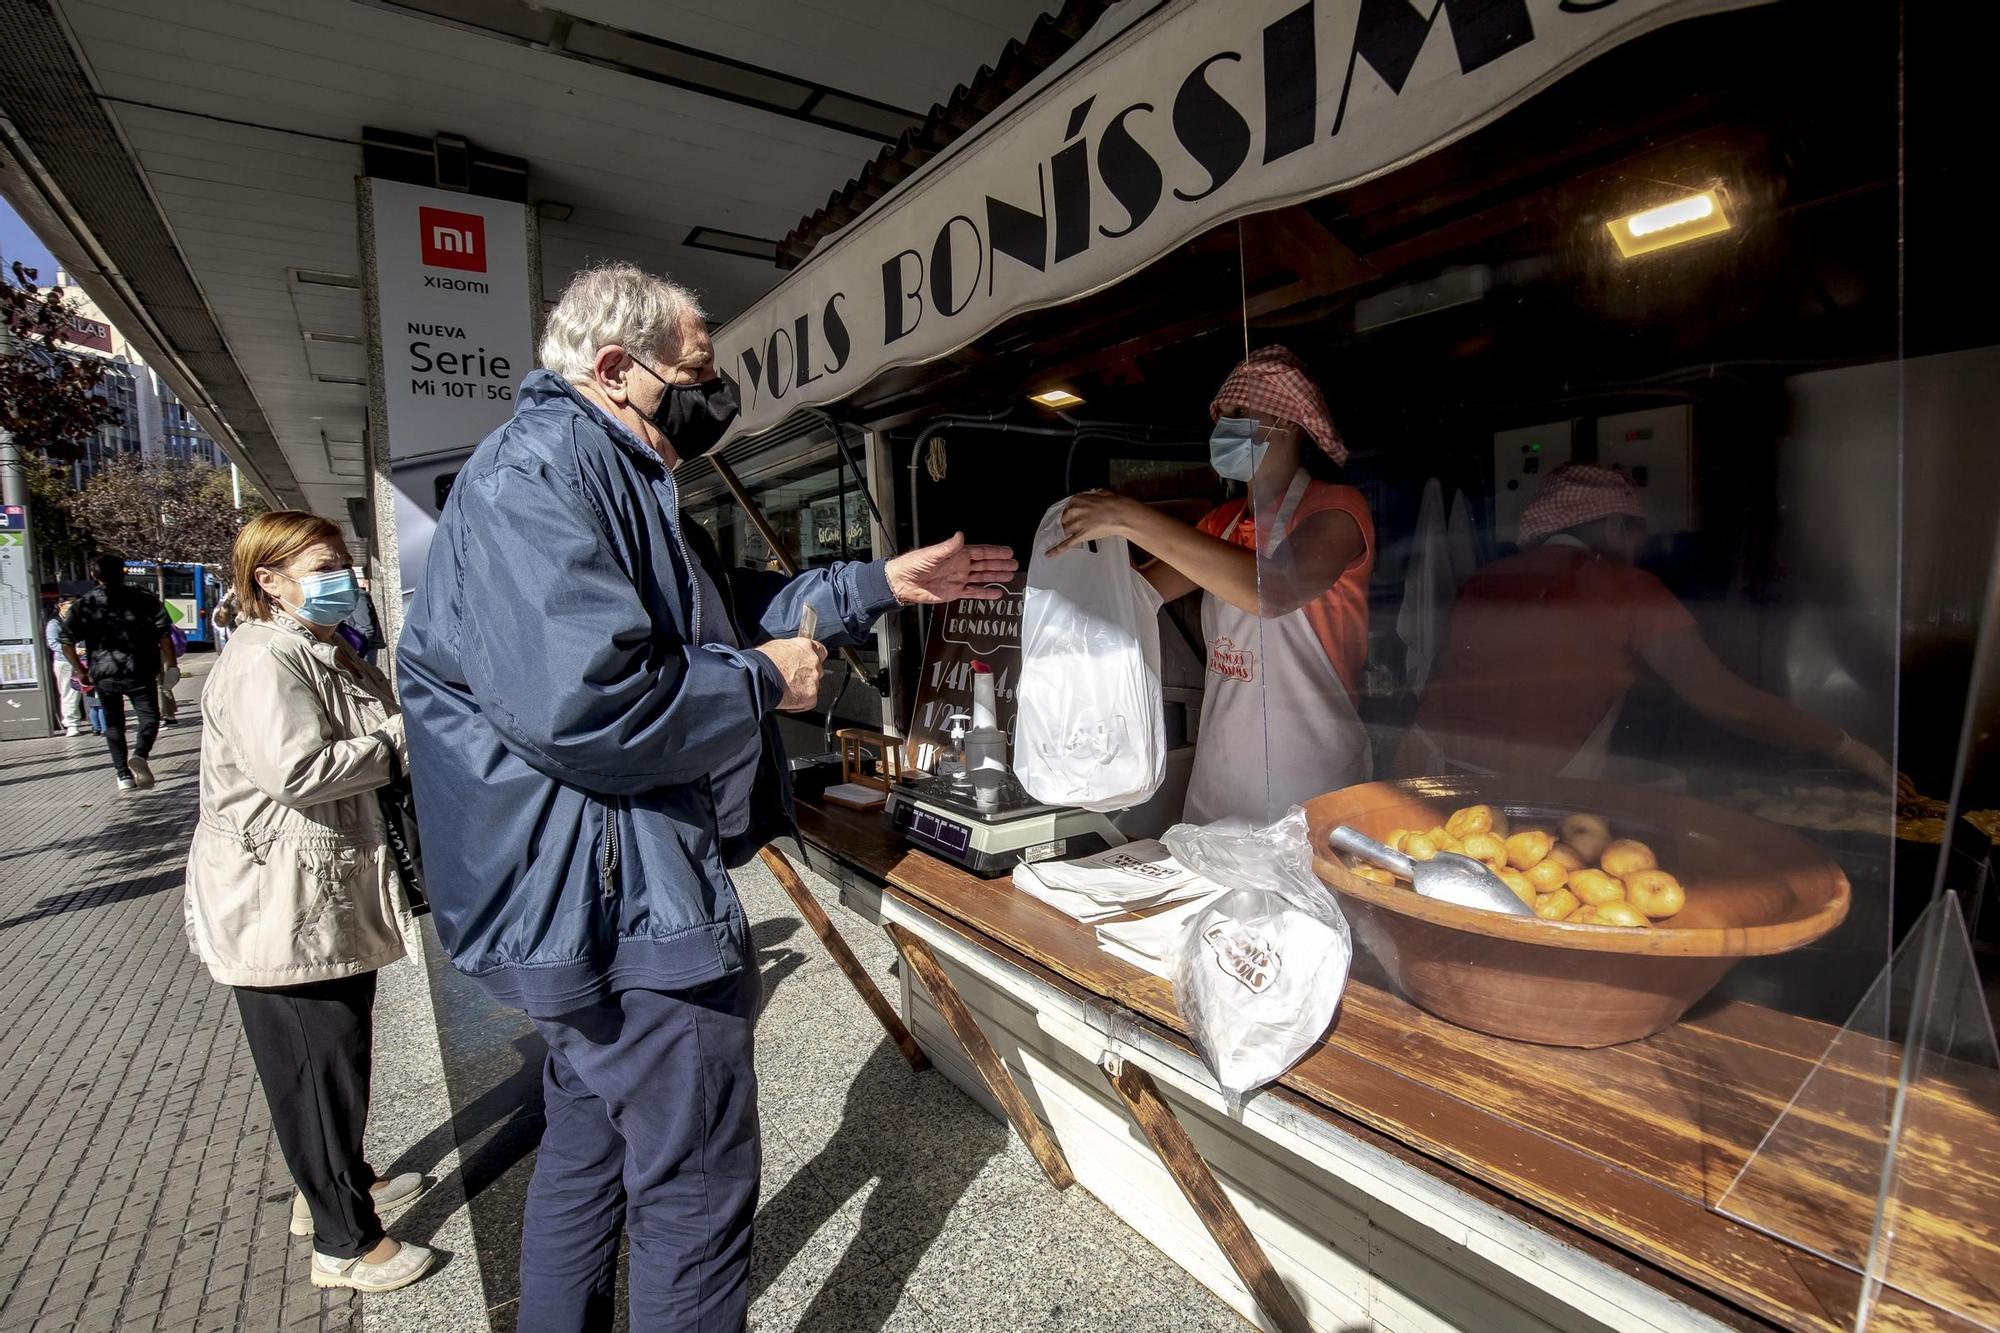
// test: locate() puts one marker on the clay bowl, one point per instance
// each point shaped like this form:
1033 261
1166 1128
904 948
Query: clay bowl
1753 889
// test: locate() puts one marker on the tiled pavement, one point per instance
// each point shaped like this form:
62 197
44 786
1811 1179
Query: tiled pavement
142 1189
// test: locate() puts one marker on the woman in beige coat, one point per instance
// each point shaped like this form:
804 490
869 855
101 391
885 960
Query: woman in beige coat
292 895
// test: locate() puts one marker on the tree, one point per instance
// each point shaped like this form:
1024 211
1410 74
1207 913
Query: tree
162 509
59 538
48 398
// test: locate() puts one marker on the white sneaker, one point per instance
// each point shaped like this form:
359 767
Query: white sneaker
387 1193
142 772
400 1269
126 784
76 731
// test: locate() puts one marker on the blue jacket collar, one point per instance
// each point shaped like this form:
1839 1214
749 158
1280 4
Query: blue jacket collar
543 387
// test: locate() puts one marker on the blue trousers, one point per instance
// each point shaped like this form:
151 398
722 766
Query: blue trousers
651 1100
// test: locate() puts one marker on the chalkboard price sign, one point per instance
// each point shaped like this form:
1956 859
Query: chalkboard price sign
962 633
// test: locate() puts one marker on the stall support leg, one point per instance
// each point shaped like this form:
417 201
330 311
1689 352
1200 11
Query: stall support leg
1170 1140
987 1060
843 957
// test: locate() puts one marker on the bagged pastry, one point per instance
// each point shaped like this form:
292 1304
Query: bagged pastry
1089 730
1261 967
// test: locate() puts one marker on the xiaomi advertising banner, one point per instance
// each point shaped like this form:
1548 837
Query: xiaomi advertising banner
1192 116
451 285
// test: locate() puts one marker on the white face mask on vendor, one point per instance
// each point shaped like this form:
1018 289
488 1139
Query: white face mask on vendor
1234 450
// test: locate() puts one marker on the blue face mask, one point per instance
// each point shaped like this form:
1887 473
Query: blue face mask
327 598
1234 450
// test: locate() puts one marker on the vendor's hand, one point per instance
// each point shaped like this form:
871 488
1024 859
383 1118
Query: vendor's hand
950 571
800 661
1853 755
1095 514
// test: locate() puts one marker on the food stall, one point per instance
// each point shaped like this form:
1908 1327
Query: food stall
1695 247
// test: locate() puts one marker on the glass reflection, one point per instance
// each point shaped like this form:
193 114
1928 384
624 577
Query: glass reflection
1544 645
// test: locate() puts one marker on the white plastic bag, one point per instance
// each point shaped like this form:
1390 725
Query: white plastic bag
1088 725
1260 969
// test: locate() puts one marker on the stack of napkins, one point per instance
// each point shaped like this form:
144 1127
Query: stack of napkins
1112 882
1152 942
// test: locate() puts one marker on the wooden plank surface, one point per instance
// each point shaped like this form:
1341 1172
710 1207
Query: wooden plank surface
1634 1144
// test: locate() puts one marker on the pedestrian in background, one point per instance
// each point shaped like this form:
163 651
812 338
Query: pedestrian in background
223 619
170 676
69 697
365 623
125 631
293 897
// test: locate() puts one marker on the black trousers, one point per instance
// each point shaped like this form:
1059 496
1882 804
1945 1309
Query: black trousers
145 701
313 1045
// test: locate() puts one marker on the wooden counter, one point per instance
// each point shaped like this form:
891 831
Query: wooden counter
1629 1146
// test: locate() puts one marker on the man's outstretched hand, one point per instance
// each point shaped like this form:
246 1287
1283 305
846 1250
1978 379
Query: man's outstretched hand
951 570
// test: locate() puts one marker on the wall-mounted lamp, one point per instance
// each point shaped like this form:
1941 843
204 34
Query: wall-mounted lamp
1674 223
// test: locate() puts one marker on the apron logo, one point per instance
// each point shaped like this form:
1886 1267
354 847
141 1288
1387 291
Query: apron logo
1243 955
1225 659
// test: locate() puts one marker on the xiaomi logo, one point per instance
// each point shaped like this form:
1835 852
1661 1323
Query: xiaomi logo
453 240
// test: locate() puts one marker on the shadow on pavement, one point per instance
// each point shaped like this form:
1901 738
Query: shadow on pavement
916 1186
774 961
98 895
104 763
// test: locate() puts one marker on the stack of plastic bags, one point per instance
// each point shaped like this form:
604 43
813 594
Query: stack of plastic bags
1128 878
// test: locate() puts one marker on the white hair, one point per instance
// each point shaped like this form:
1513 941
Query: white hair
615 303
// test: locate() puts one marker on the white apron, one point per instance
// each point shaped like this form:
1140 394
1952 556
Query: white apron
1277 726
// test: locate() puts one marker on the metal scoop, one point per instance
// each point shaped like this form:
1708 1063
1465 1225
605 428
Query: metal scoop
1448 877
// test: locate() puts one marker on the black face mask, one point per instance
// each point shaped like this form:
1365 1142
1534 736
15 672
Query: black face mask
693 416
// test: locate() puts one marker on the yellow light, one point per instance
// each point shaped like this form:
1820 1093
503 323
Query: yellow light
1670 224
1055 398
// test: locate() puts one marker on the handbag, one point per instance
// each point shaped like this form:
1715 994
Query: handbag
399 824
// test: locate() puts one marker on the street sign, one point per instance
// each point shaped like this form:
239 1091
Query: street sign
17 589
27 705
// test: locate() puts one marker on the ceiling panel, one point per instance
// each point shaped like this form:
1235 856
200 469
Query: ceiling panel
246 116
905 52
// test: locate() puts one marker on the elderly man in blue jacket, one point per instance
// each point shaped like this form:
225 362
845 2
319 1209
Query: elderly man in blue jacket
590 704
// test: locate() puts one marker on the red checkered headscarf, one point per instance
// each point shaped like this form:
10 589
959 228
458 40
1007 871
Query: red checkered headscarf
1273 381
1578 493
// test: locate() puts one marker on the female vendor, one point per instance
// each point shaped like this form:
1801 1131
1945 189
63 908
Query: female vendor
1278 722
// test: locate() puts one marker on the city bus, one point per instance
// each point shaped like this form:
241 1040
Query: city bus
189 590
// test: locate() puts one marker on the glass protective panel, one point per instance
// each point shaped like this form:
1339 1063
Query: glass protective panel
1605 495
1574 456
1913 1081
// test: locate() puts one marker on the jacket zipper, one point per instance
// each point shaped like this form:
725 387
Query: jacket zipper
607 860
687 559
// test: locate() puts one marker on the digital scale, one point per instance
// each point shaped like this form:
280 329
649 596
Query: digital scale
945 817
